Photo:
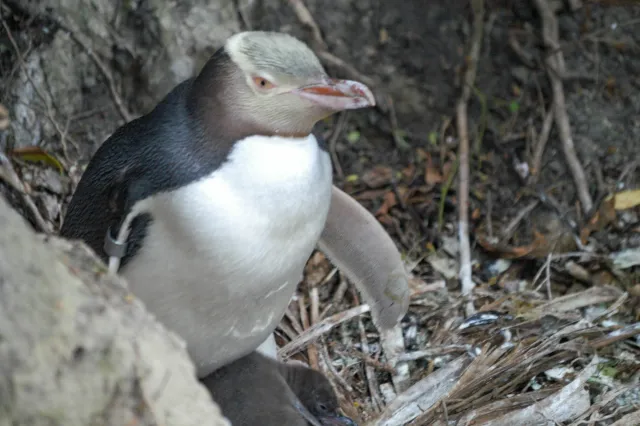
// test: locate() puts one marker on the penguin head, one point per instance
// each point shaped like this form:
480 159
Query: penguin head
277 82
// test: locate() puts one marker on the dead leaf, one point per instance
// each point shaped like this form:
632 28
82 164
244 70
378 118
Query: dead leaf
35 154
423 394
568 403
626 258
574 301
370 195
409 172
418 286
377 177
385 219
623 333
629 419
447 266
316 269
4 117
421 154
404 193
550 235
432 174
626 199
383 36
578 272
8 175
530 251
605 214
389 201
447 167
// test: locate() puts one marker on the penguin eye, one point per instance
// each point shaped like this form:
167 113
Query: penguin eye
322 407
263 83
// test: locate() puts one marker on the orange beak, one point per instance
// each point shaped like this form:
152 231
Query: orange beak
338 95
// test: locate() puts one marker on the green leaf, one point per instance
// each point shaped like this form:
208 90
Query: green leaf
433 138
34 154
399 136
352 178
609 371
514 106
353 136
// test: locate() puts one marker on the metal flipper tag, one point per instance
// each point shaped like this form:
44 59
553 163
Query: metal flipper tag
112 247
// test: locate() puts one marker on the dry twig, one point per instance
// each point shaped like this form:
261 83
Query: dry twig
333 140
372 381
511 227
315 314
312 353
117 100
321 328
607 398
8 174
555 69
305 17
630 419
46 100
434 352
341 290
294 321
423 395
541 144
463 134
392 342
326 362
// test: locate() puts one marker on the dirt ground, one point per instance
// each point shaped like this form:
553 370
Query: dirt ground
532 242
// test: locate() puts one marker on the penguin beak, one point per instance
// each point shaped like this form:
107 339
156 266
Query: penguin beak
338 95
336 420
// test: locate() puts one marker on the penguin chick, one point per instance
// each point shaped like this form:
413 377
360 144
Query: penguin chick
256 390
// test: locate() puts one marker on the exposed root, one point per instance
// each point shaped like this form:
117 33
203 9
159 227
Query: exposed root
463 135
555 70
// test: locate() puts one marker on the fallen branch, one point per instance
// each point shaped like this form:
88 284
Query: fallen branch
555 70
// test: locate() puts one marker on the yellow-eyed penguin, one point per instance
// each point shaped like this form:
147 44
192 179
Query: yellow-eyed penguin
256 390
211 204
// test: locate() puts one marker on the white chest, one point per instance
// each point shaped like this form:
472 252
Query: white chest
222 255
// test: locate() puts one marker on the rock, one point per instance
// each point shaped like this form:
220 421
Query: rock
51 180
77 349
146 47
